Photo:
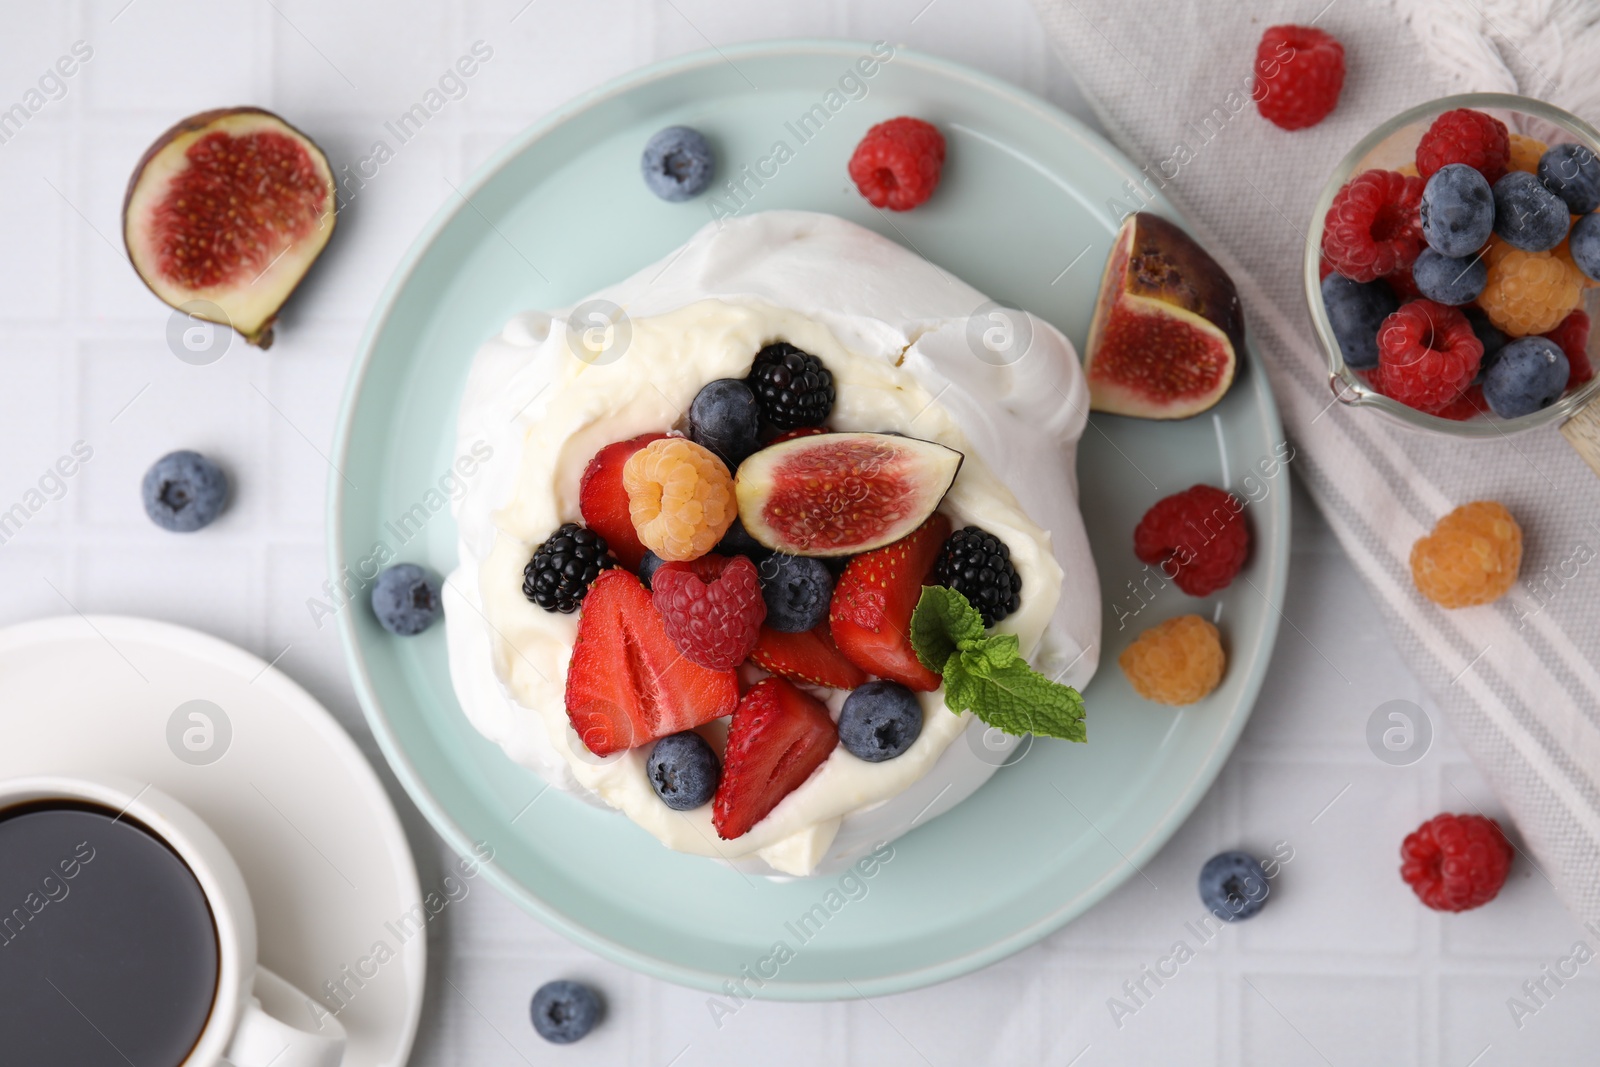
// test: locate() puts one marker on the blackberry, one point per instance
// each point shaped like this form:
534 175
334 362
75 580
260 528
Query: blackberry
793 388
977 564
562 568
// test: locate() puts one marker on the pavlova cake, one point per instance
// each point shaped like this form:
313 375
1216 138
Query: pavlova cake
779 546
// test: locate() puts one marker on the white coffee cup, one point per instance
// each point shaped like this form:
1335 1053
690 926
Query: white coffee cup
239 1031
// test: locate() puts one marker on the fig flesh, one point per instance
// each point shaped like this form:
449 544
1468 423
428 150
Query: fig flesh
1167 327
836 494
225 214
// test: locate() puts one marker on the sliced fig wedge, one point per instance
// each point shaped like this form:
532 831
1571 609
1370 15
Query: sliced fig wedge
836 494
226 212
1167 328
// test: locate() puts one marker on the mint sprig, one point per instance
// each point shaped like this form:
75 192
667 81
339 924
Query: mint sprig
986 674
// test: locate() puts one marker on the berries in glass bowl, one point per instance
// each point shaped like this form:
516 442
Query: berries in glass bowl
1446 236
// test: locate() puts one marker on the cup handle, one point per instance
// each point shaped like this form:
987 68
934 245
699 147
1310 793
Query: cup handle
265 1036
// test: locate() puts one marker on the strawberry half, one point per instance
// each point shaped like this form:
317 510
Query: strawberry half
627 683
870 614
604 502
799 431
778 736
809 657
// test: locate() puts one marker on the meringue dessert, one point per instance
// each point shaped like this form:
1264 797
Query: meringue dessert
716 490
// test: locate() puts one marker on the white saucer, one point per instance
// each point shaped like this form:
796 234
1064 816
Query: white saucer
328 866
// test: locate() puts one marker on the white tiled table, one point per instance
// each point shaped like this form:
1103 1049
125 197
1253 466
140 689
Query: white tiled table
1343 967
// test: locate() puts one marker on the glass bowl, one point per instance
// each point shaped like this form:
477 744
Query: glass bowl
1387 147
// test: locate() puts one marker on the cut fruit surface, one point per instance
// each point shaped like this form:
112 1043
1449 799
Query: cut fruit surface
229 209
779 736
1167 326
810 657
627 683
870 615
838 494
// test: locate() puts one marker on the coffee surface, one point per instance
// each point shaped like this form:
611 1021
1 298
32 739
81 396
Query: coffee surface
108 952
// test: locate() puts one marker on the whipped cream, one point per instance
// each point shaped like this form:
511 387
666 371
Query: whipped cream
900 338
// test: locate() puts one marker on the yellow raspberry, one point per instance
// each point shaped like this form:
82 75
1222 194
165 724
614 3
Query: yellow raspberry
1495 250
680 497
1525 153
1408 169
1175 662
1529 292
1471 557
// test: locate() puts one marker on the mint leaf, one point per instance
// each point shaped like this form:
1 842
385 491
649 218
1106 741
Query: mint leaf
996 651
986 674
943 622
1014 698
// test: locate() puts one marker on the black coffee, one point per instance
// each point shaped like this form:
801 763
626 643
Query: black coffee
108 953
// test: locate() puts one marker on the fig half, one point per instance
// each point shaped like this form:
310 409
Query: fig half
836 494
1167 327
228 210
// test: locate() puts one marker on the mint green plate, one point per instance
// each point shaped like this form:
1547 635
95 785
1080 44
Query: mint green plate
1021 214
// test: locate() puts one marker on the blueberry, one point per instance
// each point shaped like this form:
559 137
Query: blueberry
405 599
725 418
647 567
738 542
1488 335
683 770
184 491
1530 374
1234 886
1572 173
1447 279
1585 246
1355 311
1457 210
1527 215
564 1011
797 590
677 163
879 721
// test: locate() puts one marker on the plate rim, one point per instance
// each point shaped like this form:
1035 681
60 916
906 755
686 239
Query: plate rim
1157 835
195 644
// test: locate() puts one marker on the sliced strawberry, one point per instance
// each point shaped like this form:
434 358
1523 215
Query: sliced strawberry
870 614
809 657
627 683
778 736
799 431
604 502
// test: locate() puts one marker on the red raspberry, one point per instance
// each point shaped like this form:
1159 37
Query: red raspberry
1427 355
1456 862
1469 405
1197 537
712 608
1299 72
1465 136
897 163
1403 284
1373 227
1573 337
